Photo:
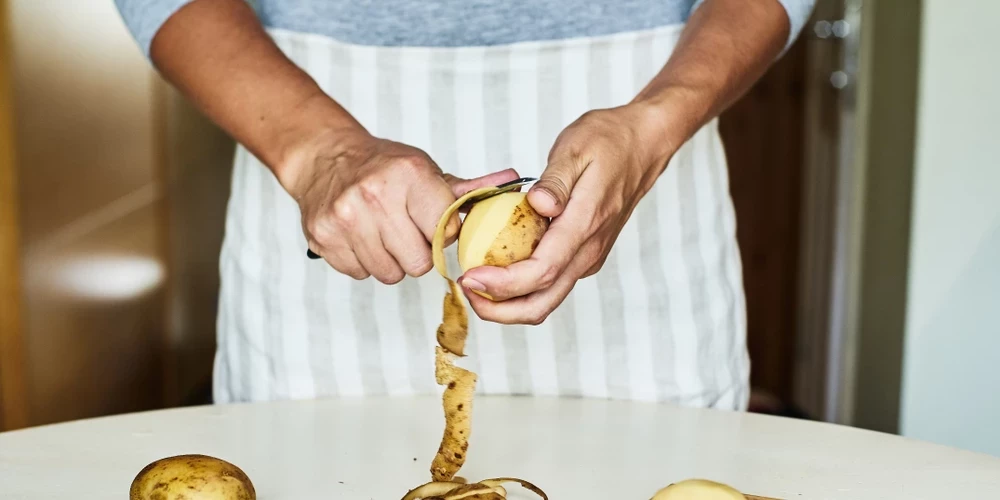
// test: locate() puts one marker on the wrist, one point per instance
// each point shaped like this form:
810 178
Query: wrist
666 120
319 127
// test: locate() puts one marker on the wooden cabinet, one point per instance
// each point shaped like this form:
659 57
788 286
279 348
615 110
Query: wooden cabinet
111 221
13 406
84 282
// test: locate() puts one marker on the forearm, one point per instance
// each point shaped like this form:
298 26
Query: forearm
726 46
217 53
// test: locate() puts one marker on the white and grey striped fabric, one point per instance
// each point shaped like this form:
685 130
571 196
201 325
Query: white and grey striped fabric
663 321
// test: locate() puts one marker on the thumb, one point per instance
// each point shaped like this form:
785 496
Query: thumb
461 186
550 194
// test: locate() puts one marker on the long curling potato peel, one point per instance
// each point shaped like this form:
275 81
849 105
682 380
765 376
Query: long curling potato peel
454 328
460 386
451 336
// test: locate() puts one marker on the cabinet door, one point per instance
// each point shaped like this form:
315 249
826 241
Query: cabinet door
91 219
13 405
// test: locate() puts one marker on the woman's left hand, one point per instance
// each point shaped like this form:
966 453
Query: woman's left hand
598 170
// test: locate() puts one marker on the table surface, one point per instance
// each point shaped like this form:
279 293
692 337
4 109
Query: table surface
354 449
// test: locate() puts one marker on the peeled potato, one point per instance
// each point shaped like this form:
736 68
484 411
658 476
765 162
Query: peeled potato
698 489
499 231
191 477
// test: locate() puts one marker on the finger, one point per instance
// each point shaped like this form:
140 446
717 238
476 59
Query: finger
461 186
531 309
370 250
550 195
405 243
343 260
558 247
426 201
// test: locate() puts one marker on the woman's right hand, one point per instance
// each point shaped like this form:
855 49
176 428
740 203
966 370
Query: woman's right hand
370 206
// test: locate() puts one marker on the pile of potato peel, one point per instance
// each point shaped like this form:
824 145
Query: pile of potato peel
487 489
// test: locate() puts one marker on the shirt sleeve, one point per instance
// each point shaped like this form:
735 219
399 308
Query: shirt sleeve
798 13
145 17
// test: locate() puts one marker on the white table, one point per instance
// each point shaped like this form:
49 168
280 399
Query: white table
574 449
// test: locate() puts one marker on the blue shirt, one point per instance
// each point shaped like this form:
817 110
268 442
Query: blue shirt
449 23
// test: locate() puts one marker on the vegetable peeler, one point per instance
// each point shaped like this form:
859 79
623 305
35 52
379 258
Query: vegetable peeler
502 188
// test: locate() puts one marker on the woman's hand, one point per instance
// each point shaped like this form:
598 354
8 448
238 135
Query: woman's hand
602 165
598 170
370 206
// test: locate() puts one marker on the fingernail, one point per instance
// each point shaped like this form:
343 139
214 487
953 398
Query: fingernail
473 285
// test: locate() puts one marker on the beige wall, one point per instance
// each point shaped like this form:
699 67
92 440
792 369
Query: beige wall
90 219
951 377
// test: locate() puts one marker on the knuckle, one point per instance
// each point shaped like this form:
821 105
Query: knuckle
598 117
421 267
537 318
372 188
594 257
411 164
321 232
344 212
600 264
354 270
481 314
590 115
549 276
391 277
596 220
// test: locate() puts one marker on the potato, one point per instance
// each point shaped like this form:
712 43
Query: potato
698 489
440 232
191 477
499 231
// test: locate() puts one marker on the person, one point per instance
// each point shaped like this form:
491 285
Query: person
359 122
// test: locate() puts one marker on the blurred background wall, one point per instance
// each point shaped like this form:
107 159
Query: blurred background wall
951 376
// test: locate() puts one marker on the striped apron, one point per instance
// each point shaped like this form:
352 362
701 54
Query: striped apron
663 321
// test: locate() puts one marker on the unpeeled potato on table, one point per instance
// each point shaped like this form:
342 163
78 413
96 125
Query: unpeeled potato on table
191 477
698 489
500 231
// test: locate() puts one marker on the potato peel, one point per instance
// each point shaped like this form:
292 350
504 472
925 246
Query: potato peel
490 489
454 329
499 481
431 489
460 385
